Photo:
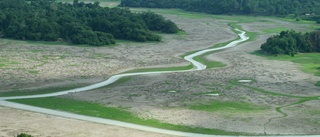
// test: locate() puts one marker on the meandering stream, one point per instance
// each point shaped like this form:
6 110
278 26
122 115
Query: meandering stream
197 66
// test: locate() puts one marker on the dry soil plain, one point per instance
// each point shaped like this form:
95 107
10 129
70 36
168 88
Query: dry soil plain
32 65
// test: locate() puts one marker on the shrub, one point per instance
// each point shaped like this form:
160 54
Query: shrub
23 135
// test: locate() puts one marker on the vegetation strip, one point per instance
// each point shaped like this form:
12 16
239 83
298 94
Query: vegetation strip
234 82
228 106
160 69
38 91
98 110
298 9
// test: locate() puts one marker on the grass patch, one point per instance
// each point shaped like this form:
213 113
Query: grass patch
177 12
228 106
229 87
310 62
97 110
252 36
4 62
314 112
38 91
278 109
181 35
209 64
275 30
120 81
236 19
197 15
318 84
33 71
36 50
161 69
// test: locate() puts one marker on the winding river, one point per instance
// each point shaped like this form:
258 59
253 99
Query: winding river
197 66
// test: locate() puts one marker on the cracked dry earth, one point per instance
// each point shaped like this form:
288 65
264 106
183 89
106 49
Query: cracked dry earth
36 66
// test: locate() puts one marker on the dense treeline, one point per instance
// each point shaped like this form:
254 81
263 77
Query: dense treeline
79 23
291 42
304 8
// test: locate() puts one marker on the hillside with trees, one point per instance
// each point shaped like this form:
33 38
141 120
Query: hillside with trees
291 42
307 9
78 22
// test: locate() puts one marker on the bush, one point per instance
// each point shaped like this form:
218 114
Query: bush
23 135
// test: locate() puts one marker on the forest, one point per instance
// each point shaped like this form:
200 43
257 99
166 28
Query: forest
291 43
300 9
78 22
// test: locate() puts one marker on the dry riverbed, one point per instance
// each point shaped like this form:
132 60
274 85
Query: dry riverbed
30 66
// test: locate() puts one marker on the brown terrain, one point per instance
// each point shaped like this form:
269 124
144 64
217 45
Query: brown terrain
33 66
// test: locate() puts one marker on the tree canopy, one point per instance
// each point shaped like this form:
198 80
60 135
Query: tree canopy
291 42
306 8
78 22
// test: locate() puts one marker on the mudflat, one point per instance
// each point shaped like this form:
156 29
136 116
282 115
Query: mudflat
33 66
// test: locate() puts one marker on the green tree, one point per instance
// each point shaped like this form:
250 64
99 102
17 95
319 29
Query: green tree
79 23
291 42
